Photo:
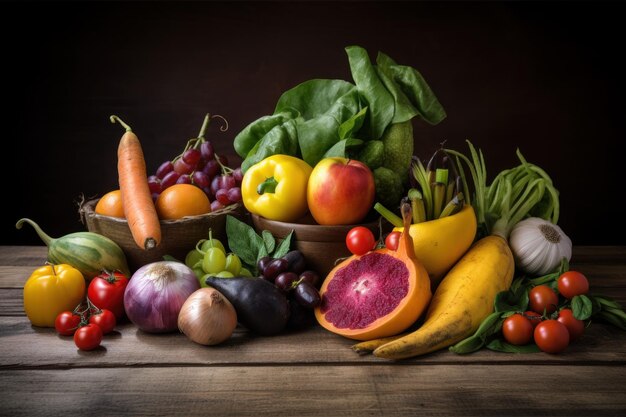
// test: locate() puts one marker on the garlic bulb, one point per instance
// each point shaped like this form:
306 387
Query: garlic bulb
539 246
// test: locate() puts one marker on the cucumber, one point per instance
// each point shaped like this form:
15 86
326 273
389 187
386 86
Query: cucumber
89 252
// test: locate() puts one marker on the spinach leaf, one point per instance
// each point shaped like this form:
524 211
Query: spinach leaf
281 139
341 148
404 110
415 88
349 128
250 136
284 246
379 101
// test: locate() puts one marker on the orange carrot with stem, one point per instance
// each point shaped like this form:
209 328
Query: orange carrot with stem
139 209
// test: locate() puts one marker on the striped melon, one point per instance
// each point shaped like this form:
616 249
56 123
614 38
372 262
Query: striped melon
89 252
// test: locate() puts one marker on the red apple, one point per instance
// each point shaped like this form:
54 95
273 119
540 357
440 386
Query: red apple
340 191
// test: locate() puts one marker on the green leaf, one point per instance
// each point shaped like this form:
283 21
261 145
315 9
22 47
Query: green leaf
171 258
607 302
315 97
281 139
489 326
613 319
352 125
516 300
341 148
268 240
284 246
582 307
545 279
248 138
415 88
501 346
380 102
404 110
243 240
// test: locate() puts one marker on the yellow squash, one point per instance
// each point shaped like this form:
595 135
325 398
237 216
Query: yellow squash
440 243
462 300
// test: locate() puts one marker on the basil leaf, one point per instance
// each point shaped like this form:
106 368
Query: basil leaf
512 301
501 346
582 307
284 246
243 240
268 240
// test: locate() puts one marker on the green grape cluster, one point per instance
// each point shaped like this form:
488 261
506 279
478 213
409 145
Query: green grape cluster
209 257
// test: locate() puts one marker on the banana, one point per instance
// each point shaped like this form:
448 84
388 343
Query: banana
460 303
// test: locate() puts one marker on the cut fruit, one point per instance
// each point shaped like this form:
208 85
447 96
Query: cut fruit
378 294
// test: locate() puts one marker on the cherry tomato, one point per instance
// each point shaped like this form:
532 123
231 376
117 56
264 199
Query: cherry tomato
88 337
107 291
551 336
105 319
533 318
360 240
543 298
392 240
572 283
66 323
517 330
575 327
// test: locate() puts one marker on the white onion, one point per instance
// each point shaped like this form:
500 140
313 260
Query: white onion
156 293
207 317
539 246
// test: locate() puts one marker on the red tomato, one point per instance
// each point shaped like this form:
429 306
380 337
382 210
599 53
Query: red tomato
533 318
517 330
551 336
392 240
107 291
543 298
88 337
572 283
105 319
360 240
66 323
575 327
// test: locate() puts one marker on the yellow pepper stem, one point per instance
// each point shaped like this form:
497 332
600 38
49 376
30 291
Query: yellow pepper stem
267 186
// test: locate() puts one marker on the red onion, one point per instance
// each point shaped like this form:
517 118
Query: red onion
156 293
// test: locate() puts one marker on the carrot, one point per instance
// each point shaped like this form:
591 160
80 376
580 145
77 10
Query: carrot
139 209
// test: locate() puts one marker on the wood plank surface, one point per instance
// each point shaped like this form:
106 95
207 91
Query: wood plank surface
468 390
306 373
23 348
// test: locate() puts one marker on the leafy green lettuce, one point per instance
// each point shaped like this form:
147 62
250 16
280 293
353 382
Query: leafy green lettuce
321 118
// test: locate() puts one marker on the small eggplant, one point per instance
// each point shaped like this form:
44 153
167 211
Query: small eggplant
260 306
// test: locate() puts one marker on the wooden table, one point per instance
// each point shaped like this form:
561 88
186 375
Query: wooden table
308 373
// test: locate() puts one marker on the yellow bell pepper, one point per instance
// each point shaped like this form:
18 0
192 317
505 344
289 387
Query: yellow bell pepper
51 290
275 188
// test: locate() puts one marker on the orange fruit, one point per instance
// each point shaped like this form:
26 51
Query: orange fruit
182 200
111 204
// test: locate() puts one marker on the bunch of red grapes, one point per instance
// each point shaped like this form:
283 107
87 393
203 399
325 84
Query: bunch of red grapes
199 165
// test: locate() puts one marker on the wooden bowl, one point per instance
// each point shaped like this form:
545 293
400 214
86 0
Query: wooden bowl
322 246
177 236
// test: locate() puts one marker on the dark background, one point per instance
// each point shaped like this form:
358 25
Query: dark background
545 77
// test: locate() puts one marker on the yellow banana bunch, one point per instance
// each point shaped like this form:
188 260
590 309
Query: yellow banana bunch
463 299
